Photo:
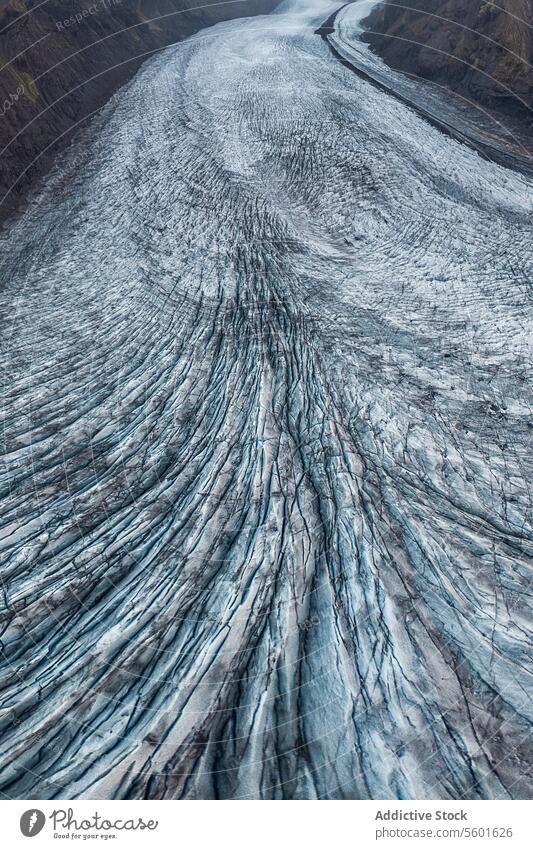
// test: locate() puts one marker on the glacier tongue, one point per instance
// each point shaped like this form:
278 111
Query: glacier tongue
266 526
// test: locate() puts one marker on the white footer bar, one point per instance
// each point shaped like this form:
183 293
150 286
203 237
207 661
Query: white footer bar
272 825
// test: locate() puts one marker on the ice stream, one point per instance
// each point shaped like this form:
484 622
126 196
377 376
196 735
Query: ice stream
266 416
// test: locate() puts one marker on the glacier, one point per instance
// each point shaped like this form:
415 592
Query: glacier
266 463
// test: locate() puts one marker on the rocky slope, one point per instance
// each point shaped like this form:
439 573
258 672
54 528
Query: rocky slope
61 60
480 50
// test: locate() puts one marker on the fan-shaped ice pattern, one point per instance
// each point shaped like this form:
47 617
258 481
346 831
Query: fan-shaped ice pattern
265 502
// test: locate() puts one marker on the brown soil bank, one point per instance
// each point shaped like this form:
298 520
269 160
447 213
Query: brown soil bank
480 50
60 60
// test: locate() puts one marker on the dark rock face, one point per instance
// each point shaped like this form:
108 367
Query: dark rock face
61 60
479 50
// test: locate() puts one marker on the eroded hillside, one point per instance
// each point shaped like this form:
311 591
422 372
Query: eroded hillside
482 51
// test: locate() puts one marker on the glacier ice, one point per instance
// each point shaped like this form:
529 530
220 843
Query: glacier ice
266 417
